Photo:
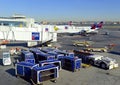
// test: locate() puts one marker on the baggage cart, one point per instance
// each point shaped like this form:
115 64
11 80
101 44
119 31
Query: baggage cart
57 55
83 55
40 56
47 62
46 50
71 63
71 54
23 69
41 74
6 58
35 52
28 56
45 56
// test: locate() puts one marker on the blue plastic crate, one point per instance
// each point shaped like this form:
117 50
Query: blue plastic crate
44 73
71 63
24 69
28 56
40 56
57 55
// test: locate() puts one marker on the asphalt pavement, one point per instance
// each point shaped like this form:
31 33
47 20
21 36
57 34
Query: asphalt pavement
86 76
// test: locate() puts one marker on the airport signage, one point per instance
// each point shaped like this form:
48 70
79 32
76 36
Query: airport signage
35 35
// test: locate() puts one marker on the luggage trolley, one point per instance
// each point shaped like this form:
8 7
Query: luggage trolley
47 50
47 62
72 63
6 58
40 56
35 51
28 56
45 56
44 73
57 55
23 69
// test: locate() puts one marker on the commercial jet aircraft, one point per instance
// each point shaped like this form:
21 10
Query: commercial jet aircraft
93 29
79 30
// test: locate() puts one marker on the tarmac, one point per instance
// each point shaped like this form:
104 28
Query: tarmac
86 76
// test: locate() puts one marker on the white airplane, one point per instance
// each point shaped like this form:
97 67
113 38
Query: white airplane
77 30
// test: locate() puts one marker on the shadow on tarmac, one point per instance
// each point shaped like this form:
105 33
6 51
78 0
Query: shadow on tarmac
1 62
113 52
11 71
17 44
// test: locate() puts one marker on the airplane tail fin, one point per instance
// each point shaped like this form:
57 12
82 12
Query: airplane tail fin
70 23
97 26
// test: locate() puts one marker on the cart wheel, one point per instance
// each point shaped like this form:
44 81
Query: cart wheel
40 84
17 76
91 62
91 50
102 50
54 81
74 70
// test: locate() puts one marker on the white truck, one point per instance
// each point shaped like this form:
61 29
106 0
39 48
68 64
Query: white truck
97 60
102 62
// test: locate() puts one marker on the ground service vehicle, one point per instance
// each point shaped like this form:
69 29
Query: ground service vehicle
97 60
81 43
96 49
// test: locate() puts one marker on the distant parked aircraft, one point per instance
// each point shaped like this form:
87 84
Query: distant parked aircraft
79 30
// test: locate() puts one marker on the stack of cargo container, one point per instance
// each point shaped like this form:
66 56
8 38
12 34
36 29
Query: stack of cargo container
41 65
40 56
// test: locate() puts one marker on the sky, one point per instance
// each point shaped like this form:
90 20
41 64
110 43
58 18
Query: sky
63 10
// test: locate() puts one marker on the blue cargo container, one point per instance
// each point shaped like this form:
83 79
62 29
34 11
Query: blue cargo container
57 55
47 62
35 51
71 63
45 56
41 74
23 69
71 54
83 55
27 56
46 50
40 56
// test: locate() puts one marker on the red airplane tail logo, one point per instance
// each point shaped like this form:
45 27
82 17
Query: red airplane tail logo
94 26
